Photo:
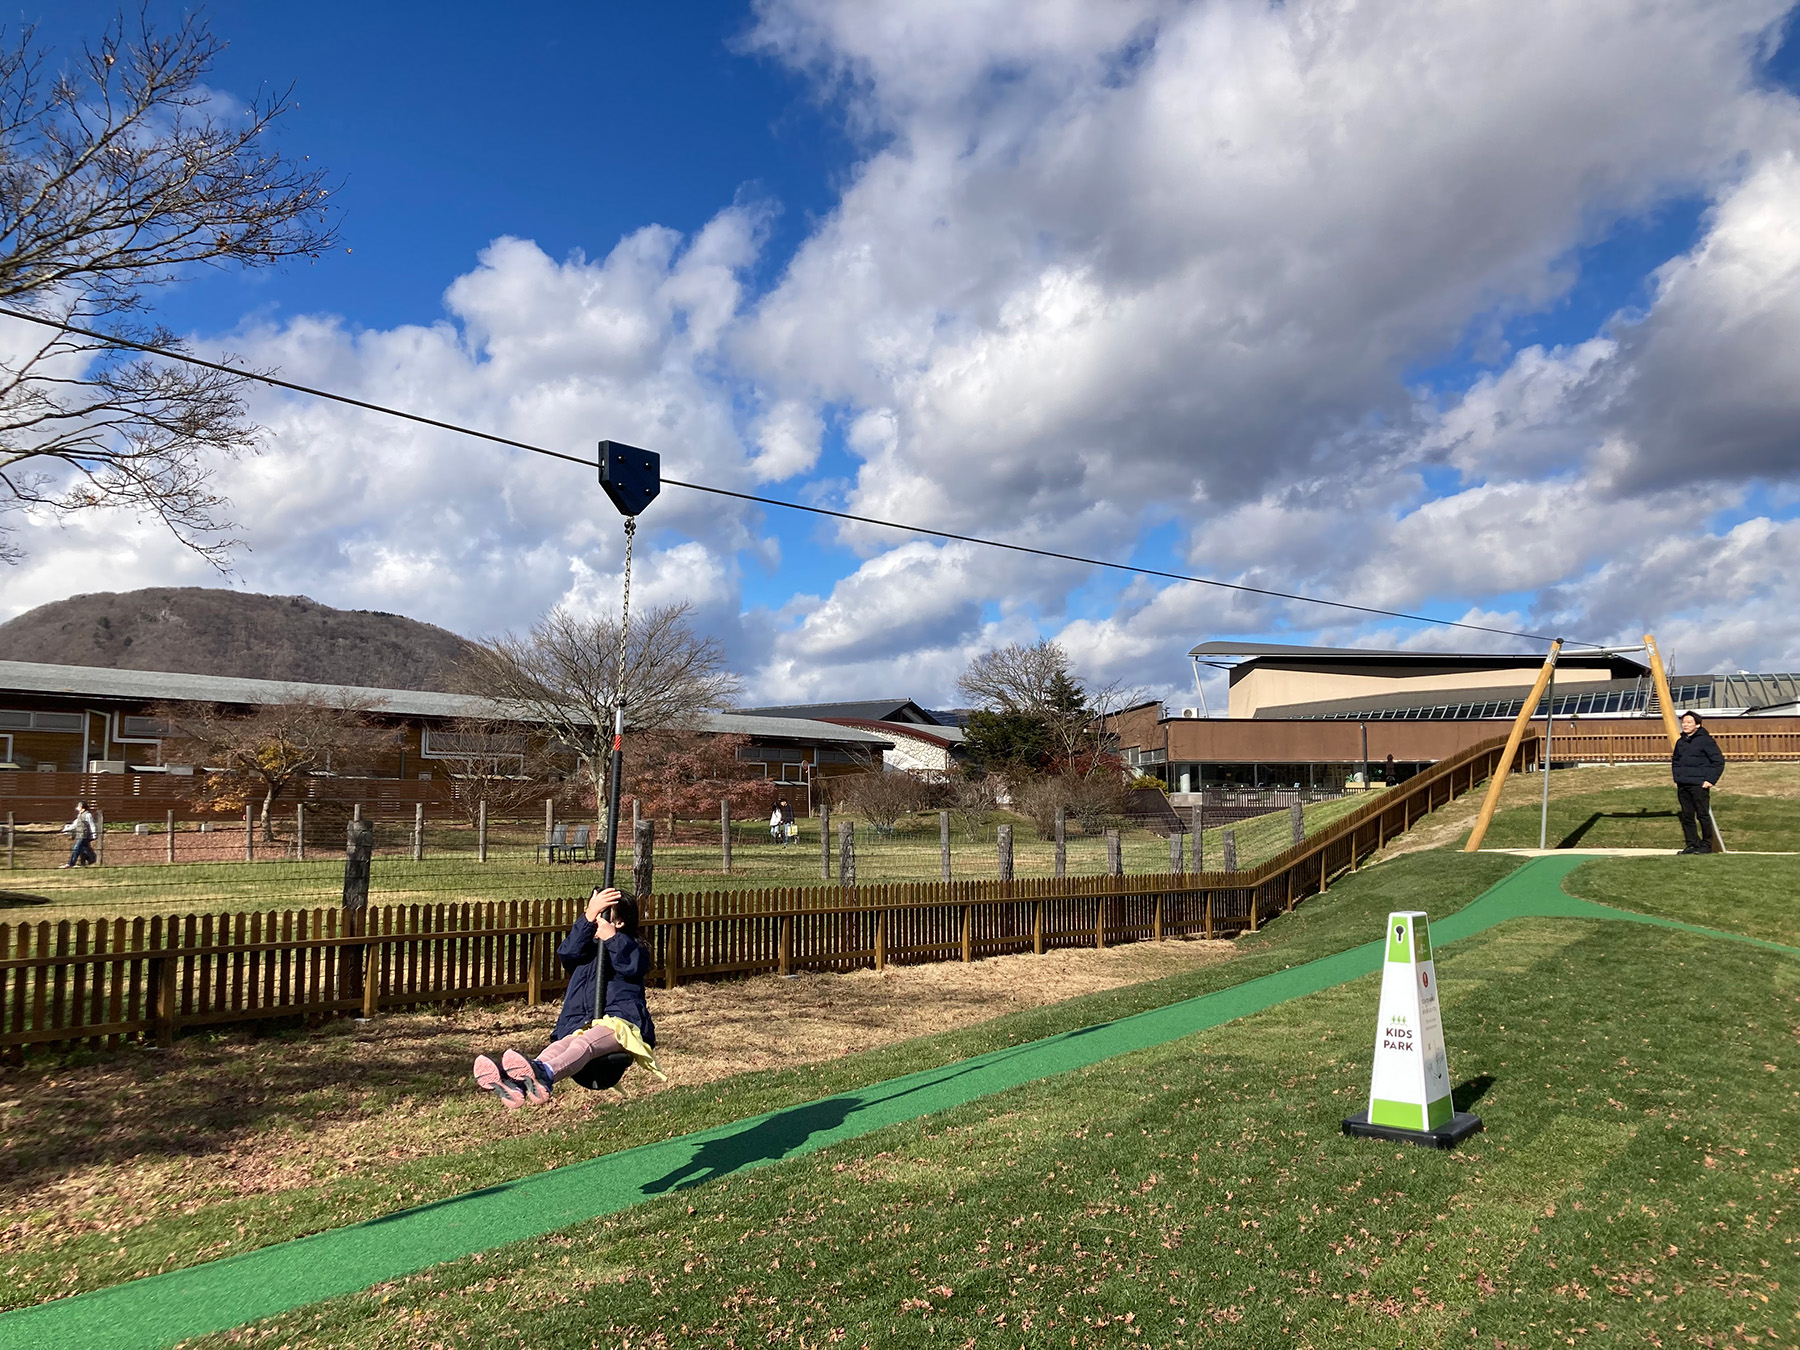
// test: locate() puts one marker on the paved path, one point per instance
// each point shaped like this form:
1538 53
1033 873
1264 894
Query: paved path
157 1311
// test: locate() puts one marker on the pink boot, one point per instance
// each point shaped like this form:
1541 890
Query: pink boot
489 1079
523 1072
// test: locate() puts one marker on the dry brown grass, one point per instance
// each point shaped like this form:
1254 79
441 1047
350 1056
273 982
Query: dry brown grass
109 1145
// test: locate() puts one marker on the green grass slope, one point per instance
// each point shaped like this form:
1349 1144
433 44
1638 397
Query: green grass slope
1645 817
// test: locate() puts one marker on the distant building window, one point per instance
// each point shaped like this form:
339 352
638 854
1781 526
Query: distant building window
144 728
40 721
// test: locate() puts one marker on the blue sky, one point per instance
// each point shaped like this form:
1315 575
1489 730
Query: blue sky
1151 281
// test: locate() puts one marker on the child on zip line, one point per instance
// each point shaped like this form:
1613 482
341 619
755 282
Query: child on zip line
605 1025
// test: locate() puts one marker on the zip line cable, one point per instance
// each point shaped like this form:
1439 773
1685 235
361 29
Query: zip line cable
314 392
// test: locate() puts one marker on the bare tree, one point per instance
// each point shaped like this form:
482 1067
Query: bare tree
1033 699
259 755
1015 678
883 796
503 766
560 676
120 174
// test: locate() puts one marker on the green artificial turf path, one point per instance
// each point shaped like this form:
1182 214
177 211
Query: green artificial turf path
163 1309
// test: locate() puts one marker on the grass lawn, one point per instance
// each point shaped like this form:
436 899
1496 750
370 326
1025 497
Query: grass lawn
1635 1185
450 874
1644 817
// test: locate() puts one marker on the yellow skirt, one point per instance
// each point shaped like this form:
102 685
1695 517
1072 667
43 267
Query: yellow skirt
631 1041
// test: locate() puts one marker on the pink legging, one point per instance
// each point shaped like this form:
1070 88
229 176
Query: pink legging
568 1055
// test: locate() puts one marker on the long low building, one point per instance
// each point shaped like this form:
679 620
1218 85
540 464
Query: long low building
1314 718
65 730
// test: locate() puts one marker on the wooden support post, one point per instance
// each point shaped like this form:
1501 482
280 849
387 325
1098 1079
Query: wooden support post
534 978
944 846
1037 927
359 847
1255 895
1664 702
299 831
1513 738
1199 826
1004 847
249 834
725 835
1297 821
847 853
1115 855
371 991
481 831
881 922
550 819
1209 921
1156 923
165 1009
1230 850
784 960
643 861
968 934
1100 903
418 831
169 823
672 957
356 812
99 837
824 837
1062 841
1175 852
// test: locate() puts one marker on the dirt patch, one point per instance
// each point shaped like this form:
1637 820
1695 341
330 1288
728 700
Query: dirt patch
111 1143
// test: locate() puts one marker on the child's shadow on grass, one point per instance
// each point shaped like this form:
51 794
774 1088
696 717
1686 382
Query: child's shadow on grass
765 1141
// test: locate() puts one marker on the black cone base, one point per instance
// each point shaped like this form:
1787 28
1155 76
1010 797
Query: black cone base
1462 1125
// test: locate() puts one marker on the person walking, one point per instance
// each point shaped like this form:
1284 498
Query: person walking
789 833
1697 764
776 832
83 829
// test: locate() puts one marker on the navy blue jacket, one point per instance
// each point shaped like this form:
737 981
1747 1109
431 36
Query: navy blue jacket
1697 759
629 963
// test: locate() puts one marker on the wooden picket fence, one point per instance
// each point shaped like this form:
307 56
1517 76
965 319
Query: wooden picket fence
104 981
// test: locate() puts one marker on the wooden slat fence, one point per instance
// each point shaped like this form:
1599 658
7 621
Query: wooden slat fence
102 981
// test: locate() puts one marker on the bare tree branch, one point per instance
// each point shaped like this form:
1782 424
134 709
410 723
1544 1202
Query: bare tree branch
118 176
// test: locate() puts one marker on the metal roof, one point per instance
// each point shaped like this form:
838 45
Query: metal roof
1252 651
867 710
102 682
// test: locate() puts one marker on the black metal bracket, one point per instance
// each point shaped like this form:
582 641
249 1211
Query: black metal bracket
631 477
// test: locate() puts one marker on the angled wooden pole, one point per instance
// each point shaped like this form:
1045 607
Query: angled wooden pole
1661 677
1517 734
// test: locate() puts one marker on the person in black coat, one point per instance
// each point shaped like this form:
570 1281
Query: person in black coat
596 1039
1697 764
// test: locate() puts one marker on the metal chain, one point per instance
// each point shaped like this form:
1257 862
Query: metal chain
624 616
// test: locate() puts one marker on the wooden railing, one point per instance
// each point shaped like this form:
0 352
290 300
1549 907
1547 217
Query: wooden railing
1577 743
103 981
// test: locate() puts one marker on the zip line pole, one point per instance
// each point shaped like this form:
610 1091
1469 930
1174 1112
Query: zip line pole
1660 678
1517 734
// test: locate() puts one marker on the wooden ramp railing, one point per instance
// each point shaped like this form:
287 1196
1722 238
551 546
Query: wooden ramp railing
103 981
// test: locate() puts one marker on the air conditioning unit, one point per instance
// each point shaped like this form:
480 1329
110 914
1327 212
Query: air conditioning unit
106 766
1190 712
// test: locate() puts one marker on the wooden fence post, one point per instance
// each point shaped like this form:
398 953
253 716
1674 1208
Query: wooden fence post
1156 923
534 978
672 955
1297 819
1037 926
881 921
1100 903
418 831
1115 857
643 861
725 835
371 950
1199 838
9 841
1209 916
944 845
784 960
550 818
481 831
824 837
249 834
162 985
1230 837
100 836
1005 849
1175 868
847 853
356 811
1062 842
169 821
968 933
299 831
359 848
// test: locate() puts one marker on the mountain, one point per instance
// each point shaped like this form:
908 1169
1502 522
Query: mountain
208 631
